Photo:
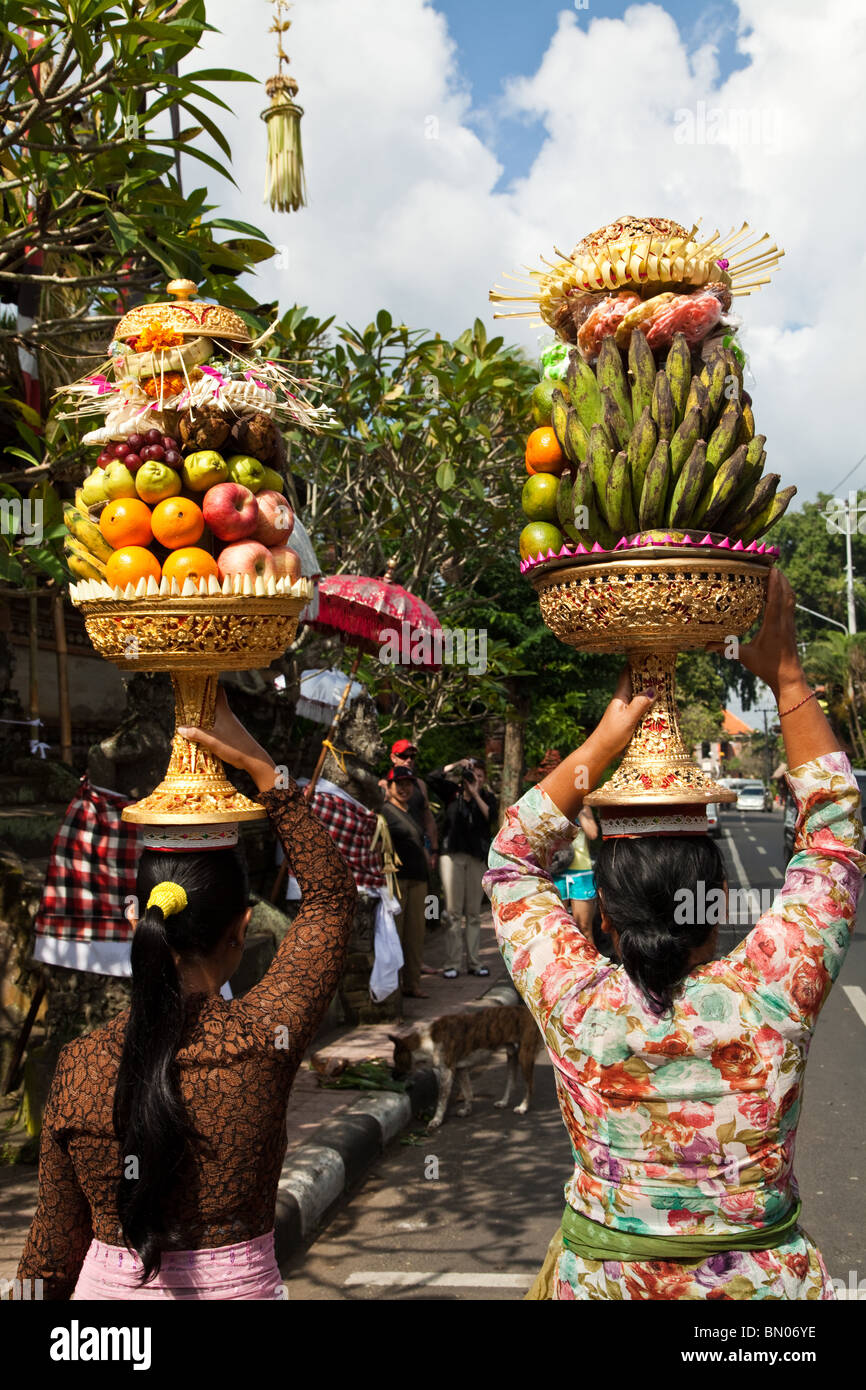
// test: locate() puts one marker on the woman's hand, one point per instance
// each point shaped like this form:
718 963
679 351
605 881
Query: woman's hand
773 655
622 716
229 740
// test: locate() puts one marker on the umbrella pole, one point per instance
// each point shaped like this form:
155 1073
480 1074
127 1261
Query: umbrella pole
317 771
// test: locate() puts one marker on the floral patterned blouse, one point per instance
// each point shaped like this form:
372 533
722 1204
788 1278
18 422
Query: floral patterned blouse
236 1062
686 1123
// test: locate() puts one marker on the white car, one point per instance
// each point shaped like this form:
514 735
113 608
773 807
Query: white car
751 797
713 826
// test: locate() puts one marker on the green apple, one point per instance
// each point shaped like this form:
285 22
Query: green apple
155 481
118 481
93 487
204 469
274 480
247 471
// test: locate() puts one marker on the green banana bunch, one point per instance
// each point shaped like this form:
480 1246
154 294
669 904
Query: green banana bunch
584 391
86 533
678 369
587 521
654 495
689 486
663 406
684 440
723 486
641 447
642 367
611 377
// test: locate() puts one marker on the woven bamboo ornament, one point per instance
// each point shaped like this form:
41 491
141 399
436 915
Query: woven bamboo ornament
285 188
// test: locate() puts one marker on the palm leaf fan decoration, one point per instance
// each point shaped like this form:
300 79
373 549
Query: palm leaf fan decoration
285 188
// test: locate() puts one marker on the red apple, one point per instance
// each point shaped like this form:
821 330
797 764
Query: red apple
231 511
247 557
276 518
287 563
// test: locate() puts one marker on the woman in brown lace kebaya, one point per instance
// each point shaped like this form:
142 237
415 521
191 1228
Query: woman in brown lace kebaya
164 1132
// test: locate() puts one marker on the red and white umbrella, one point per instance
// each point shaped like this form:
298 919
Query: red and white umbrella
363 612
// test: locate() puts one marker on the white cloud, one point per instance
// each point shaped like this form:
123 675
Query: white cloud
400 220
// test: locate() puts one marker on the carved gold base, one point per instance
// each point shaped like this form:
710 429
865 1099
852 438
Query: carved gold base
651 609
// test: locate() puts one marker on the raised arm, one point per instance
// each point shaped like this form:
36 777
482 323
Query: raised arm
796 950
304 974
61 1230
544 950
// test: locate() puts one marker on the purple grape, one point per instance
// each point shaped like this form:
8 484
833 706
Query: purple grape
105 458
153 437
153 451
121 451
172 458
135 441
168 442
133 462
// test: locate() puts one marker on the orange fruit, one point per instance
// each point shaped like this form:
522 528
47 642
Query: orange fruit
126 521
177 521
543 454
129 564
190 563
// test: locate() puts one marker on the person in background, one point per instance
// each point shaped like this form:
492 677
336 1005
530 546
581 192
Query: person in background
412 881
404 754
574 879
469 823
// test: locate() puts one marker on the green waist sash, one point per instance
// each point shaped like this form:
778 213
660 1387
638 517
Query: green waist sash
595 1242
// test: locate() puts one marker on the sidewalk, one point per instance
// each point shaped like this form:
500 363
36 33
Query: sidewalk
335 1136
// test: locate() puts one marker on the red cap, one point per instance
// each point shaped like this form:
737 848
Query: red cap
403 745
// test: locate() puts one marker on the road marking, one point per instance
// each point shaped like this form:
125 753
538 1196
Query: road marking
738 863
760 849
776 873
408 1279
857 999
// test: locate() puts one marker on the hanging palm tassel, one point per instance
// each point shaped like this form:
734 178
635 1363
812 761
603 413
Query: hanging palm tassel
285 188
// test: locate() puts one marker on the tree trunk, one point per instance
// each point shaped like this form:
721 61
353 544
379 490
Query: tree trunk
513 751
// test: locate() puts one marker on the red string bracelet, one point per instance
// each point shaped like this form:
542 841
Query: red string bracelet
804 701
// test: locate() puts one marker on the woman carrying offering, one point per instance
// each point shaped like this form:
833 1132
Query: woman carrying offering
164 1132
680 1077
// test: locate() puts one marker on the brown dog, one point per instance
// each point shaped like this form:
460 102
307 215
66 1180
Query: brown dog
456 1042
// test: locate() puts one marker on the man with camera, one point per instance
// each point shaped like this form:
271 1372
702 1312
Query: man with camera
469 821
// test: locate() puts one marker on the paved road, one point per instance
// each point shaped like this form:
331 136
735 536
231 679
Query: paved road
467 1214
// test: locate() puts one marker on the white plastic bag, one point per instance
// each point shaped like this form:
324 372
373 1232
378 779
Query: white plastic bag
385 975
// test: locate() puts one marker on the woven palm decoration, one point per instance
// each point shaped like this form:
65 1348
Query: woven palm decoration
285 189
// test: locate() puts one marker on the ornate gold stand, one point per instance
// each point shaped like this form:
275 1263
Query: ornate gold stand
194 639
652 608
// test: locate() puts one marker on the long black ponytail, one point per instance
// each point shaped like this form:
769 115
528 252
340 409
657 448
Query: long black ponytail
650 891
149 1116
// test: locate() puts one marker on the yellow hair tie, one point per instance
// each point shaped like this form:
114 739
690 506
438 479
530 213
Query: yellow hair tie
168 896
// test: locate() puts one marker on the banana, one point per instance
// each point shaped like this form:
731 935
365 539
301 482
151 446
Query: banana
620 427
610 372
769 515
754 502
699 399
74 547
618 501
582 504
641 446
663 405
642 367
564 512
82 569
630 323
747 426
600 457
723 486
559 417
755 459
713 376
734 372
80 503
583 391
685 440
576 437
723 438
653 498
85 531
689 486
678 368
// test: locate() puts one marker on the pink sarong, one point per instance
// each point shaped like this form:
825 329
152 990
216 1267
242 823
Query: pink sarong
248 1270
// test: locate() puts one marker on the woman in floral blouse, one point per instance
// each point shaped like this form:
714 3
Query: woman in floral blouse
680 1077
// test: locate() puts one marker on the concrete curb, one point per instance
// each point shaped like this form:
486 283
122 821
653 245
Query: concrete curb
338 1154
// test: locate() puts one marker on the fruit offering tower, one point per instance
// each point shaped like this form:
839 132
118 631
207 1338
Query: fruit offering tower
646 494
180 538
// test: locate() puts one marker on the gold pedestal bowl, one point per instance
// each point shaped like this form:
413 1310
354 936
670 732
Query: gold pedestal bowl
193 638
652 606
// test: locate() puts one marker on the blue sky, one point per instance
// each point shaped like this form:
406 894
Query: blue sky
499 39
